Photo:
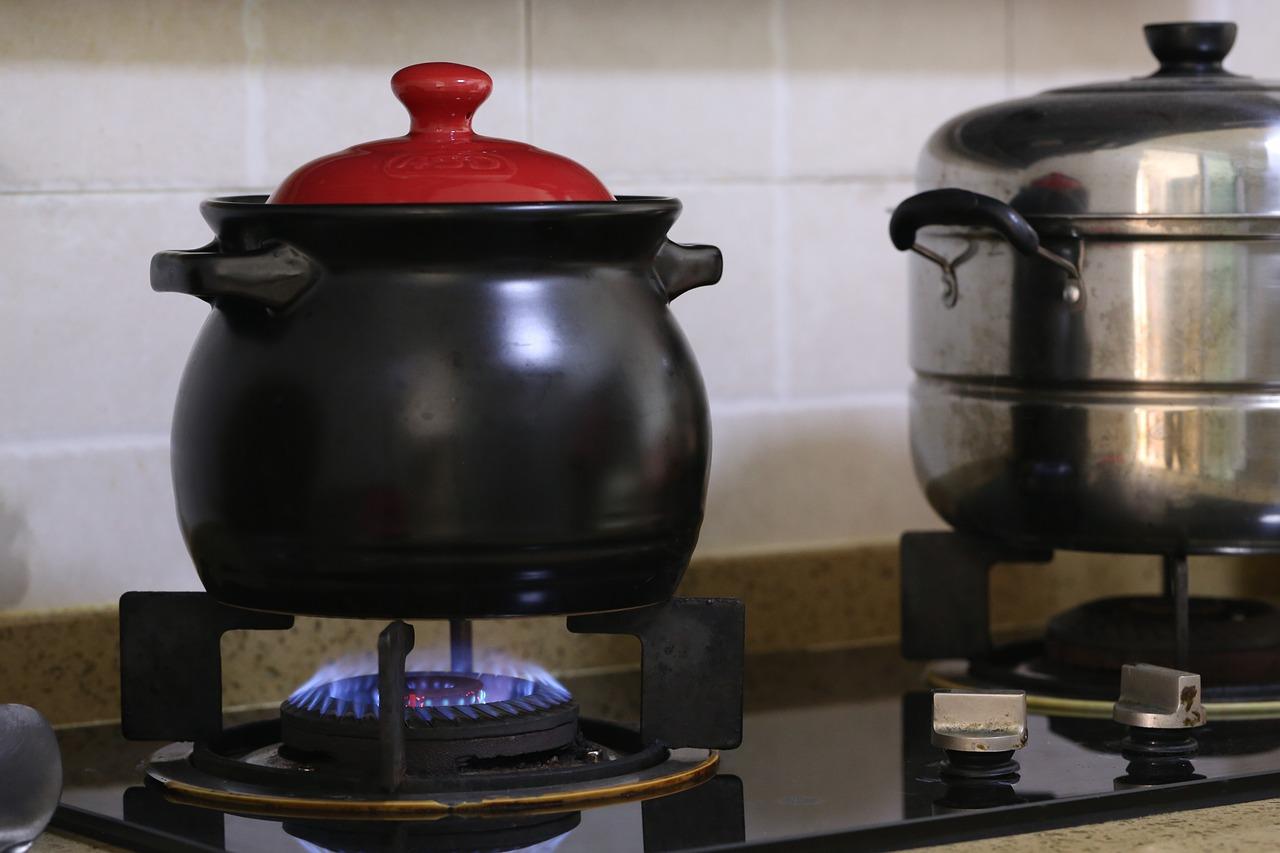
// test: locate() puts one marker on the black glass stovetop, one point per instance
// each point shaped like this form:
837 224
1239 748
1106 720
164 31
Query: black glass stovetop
836 754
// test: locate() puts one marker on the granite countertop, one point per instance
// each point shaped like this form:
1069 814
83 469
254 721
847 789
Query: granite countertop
1246 826
52 842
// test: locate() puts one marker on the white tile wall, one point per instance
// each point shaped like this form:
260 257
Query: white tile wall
143 93
1255 48
732 325
664 88
810 472
86 349
1061 44
80 522
1058 44
867 82
848 292
789 128
312 106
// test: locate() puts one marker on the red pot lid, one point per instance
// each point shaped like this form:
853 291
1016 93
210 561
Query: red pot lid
441 160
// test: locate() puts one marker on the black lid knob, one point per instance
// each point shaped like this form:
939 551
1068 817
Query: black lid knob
1190 47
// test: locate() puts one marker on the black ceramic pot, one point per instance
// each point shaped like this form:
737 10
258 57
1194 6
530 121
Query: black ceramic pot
440 410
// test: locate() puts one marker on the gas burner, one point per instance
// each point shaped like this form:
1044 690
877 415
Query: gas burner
1075 670
451 720
1233 641
1235 644
415 745
393 740
1028 666
1074 692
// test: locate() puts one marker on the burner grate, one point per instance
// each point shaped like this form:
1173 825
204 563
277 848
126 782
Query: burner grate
463 738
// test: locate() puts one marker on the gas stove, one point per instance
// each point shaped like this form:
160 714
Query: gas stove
845 749
473 736
836 753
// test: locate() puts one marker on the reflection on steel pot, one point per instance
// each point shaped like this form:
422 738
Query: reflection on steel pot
440 410
1093 311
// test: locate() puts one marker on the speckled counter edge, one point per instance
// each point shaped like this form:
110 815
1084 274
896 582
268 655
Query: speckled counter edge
1224 829
66 662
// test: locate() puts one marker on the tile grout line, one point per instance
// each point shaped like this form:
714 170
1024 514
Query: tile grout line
778 46
781 221
1010 13
78 445
527 23
133 191
677 181
765 405
253 33
780 216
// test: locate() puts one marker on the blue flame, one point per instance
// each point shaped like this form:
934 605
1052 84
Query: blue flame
429 660
427 694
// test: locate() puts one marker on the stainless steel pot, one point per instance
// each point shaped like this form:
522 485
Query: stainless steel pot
1095 316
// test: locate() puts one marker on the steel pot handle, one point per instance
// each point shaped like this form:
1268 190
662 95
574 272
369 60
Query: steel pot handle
273 276
682 267
961 207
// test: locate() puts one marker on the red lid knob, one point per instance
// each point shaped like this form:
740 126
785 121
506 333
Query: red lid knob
441 97
441 160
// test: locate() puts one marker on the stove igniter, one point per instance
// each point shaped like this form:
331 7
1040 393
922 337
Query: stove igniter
979 729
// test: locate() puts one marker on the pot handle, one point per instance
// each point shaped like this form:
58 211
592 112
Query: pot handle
273 276
682 267
961 207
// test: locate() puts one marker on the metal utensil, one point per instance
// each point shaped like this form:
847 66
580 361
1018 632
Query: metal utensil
1092 311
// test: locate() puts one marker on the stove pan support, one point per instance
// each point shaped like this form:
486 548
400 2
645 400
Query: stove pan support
171 662
691 668
945 590
394 644
1177 588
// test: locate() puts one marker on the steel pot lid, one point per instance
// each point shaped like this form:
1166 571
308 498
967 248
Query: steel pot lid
1190 139
441 160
